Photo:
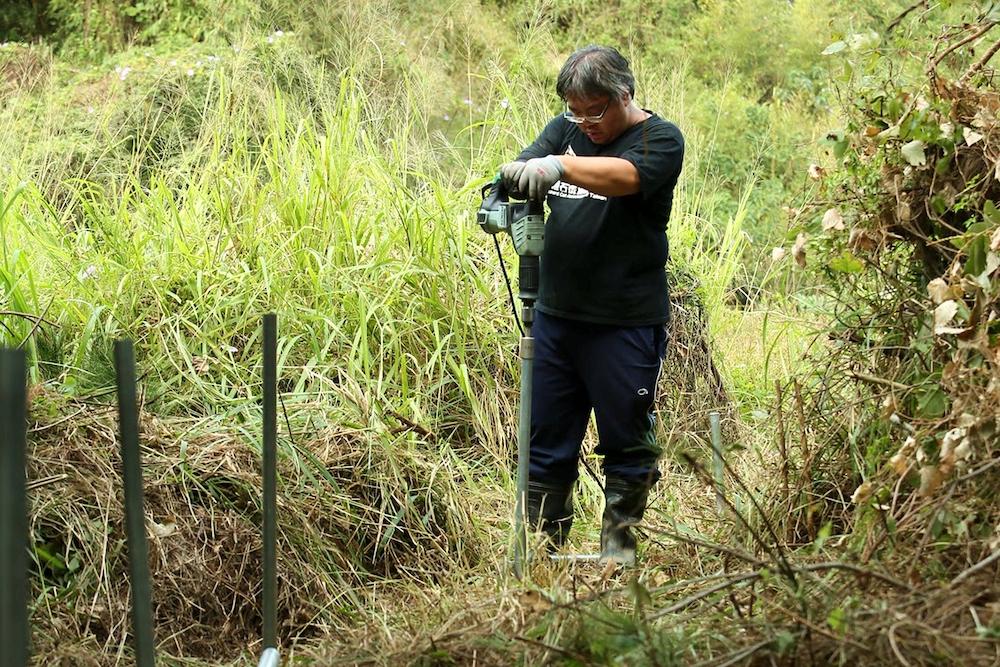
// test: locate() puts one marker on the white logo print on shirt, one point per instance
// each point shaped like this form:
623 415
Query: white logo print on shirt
569 191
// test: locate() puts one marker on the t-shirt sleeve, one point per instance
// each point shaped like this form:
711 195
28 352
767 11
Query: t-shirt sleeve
549 142
657 155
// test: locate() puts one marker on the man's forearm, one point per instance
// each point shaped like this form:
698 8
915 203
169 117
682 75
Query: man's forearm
608 176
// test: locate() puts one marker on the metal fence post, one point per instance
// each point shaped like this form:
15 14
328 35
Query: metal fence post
270 587
135 520
715 422
15 634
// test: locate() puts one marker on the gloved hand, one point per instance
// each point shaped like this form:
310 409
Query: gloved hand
540 174
510 174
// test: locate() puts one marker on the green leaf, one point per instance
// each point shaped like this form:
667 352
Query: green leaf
836 47
847 262
53 560
932 403
991 212
784 641
939 204
894 109
640 594
822 536
991 10
840 148
976 262
913 152
976 229
836 619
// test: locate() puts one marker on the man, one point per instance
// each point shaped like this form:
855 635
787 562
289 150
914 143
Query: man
607 169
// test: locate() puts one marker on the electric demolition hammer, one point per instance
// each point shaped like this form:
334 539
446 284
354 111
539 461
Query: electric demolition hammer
525 222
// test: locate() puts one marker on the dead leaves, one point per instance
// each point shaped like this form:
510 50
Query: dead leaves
799 250
943 316
833 221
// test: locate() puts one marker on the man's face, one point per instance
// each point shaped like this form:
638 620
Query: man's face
611 112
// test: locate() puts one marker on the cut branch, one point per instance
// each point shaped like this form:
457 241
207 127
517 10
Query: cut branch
959 44
981 63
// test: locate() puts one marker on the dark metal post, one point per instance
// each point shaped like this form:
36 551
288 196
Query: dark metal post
135 522
15 635
270 452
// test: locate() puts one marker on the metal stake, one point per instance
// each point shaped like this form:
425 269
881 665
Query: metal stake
717 465
270 587
135 523
527 354
575 558
15 634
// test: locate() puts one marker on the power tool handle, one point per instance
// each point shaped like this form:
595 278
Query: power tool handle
495 191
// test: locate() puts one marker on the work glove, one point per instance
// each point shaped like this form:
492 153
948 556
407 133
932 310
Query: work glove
540 174
510 173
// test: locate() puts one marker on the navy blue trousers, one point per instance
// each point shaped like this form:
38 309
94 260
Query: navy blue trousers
611 370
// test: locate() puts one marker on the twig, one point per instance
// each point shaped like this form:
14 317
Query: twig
981 63
413 426
979 471
986 562
698 542
736 656
45 481
899 19
895 647
850 567
701 595
915 560
864 377
29 316
819 630
69 417
555 649
782 445
959 44
34 328
779 555
805 476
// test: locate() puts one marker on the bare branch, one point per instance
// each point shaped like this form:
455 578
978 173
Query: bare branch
899 19
986 562
959 44
981 63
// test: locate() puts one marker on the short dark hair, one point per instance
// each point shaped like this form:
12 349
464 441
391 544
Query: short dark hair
595 70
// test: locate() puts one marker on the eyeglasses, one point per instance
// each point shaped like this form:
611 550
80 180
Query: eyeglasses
571 117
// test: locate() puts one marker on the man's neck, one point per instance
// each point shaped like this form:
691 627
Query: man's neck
636 114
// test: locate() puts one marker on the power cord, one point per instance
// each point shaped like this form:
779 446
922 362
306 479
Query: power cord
510 290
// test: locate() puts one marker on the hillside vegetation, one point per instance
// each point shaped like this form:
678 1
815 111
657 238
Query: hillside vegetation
173 169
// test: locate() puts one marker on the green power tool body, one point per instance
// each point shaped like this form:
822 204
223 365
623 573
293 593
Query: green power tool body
524 221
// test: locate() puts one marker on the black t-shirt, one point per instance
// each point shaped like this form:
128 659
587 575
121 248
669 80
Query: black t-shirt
604 257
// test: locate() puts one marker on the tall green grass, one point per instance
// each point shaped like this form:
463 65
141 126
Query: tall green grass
334 213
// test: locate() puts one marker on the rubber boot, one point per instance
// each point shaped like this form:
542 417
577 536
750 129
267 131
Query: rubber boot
550 510
624 505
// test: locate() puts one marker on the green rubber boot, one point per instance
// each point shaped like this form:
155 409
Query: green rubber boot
550 510
624 505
